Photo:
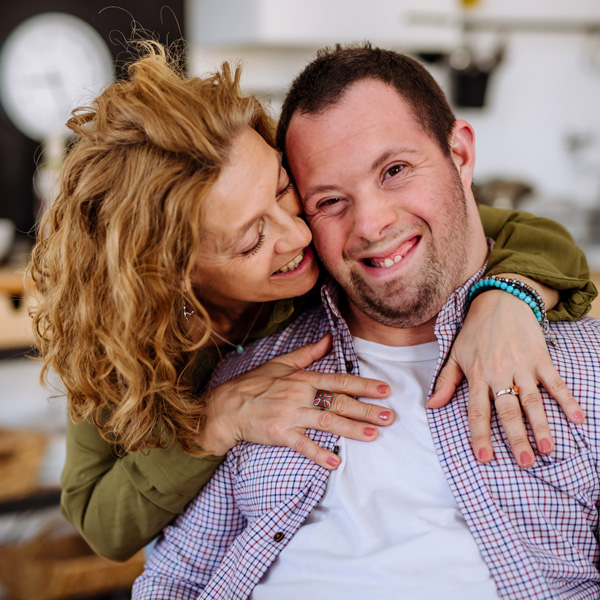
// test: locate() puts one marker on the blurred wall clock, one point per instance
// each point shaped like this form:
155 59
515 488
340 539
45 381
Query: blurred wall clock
50 64
112 22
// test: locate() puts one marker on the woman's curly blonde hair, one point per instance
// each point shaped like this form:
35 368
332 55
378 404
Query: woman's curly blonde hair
117 247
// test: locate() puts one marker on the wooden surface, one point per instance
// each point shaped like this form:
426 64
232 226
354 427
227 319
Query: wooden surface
12 280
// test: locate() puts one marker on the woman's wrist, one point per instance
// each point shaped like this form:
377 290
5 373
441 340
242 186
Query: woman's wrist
549 295
215 435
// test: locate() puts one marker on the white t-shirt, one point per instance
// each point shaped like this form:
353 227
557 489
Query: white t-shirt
388 526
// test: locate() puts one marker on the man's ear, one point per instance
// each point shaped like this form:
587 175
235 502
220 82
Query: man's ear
462 148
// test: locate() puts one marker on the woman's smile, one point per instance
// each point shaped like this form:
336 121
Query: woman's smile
256 245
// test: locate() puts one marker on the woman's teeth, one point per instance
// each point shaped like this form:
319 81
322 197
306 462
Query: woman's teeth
386 263
293 264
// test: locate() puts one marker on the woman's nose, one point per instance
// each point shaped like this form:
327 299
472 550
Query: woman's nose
295 233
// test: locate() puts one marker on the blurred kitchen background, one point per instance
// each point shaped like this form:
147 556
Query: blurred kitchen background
525 73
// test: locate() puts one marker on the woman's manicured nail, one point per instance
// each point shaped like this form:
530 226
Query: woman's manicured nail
385 415
545 447
578 416
526 459
483 455
383 389
369 431
334 462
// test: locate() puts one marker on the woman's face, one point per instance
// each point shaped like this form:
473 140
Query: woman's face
256 245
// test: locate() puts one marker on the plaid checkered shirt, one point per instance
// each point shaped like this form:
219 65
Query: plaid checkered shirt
536 528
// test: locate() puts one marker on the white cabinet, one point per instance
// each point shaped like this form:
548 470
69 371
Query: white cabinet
314 23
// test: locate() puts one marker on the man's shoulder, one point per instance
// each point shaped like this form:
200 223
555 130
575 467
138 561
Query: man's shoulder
307 328
582 335
577 347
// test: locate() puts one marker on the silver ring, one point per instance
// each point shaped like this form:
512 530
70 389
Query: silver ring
513 391
323 399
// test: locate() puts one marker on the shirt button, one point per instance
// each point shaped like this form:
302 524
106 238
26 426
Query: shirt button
349 366
278 536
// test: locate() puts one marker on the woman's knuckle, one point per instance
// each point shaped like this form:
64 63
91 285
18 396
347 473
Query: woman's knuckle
508 412
343 380
518 440
476 415
326 420
558 385
300 444
275 430
530 400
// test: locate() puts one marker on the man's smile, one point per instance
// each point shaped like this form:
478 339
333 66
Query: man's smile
393 258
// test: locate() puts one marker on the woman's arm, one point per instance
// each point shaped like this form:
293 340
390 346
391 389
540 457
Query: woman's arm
501 343
119 504
543 251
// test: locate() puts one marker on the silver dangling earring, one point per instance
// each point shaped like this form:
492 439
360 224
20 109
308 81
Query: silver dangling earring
186 312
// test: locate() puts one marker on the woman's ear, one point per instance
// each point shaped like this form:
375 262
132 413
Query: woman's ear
462 148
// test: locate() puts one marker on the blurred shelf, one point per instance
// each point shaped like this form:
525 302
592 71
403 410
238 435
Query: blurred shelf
39 499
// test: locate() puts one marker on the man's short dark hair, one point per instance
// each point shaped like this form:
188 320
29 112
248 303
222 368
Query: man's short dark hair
324 81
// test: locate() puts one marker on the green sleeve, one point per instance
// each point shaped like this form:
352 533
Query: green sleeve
542 250
119 504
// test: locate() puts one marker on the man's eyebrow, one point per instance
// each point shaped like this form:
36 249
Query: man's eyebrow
387 154
318 189
376 164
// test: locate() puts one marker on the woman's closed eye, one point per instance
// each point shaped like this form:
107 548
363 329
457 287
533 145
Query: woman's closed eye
256 246
285 190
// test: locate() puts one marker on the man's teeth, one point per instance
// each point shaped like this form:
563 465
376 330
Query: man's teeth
387 262
293 264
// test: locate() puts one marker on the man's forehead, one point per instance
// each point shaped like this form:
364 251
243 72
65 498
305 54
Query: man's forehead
367 104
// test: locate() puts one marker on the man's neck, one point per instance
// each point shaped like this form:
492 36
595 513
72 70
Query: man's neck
364 327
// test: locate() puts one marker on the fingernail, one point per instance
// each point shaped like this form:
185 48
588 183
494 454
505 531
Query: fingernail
385 415
369 431
483 455
578 416
545 447
383 389
334 462
526 459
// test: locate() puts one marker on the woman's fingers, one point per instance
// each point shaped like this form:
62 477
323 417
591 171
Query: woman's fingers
533 407
344 383
304 445
445 386
551 380
358 412
509 413
479 418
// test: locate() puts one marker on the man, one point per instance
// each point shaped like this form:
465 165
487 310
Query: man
384 171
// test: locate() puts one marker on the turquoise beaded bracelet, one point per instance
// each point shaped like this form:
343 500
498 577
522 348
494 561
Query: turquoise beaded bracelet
520 290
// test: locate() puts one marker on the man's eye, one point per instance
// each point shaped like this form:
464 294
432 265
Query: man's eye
392 171
324 204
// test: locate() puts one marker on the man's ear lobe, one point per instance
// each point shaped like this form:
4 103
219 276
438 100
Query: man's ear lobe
462 148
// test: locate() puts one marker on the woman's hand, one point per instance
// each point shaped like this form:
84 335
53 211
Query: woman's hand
273 405
500 345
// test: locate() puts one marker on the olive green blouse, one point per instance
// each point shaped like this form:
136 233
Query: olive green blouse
119 504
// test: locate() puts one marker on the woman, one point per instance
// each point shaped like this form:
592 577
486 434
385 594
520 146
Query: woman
176 237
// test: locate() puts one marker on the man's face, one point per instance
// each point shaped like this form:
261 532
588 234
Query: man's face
387 209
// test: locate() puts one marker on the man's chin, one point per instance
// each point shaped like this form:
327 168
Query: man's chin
394 305
402 311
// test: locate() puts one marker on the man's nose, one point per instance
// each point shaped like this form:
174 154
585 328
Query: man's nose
374 213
